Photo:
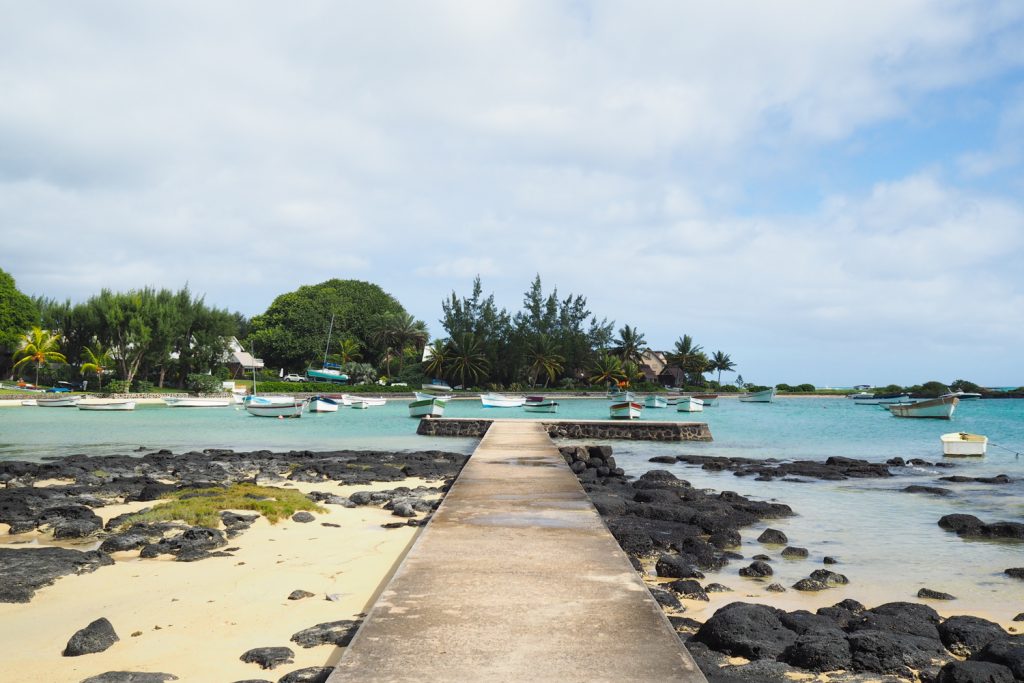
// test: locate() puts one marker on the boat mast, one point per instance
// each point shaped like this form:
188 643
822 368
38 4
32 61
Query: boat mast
328 345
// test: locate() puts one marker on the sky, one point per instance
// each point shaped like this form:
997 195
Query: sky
829 192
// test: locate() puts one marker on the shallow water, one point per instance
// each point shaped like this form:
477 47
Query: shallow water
887 541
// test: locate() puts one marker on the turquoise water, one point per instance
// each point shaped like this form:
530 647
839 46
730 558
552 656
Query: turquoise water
888 542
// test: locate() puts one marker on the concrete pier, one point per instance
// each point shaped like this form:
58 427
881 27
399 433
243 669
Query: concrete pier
516 578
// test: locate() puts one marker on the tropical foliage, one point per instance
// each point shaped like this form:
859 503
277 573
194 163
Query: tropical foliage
720 362
17 313
39 346
97 361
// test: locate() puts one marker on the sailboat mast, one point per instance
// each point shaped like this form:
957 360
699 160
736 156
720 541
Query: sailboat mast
327 346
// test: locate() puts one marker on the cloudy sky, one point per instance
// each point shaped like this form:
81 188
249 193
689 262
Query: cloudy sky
831 192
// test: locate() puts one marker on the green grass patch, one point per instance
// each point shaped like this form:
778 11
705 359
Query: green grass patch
202 507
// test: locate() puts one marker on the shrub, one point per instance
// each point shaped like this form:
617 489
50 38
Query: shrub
204 384
117 386
143 386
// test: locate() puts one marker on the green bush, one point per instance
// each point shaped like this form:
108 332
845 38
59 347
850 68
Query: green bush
143 386
204 384
117 386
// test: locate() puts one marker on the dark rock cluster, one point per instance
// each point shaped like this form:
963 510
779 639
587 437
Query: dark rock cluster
905 640
970 526
835 468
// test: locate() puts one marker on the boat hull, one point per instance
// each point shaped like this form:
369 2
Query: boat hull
882 400
274 406
364 403
198 402
322 404
937 408
707 399
426 396
498 401
962 444
60 402
540 407
326 375
656 402
766 396
430 407
628 410
106 405
690 405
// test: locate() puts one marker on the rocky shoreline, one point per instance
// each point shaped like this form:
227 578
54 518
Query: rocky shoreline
74 516
673 532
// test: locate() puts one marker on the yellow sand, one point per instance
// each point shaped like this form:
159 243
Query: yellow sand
195 619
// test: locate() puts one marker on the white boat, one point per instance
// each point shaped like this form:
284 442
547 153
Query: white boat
959 444
964 395
861 395
425 395
940 408
621 396
106 404
199 402
436 385
364 402
890 399
628 410
653 401
707 399
58 401
274 406
429 407
689 404
29 402
501 401
765 396
542 406
322 404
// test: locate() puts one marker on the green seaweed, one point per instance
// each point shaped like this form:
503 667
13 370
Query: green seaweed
202 507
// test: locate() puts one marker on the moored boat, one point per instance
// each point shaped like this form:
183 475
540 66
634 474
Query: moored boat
940 408
765 396
426 395
199 402
961 444
428 407
330 372
60 401
707 399
322 404
883 400
628 410
364 402
106 404
436 385
274 406
29 402
542 406
492 400
654 401
690 404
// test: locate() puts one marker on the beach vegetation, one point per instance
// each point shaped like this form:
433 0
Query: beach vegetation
204 384
17 313
796 389
467 359
39 347
202 507
607 369
690 358
97 361
630 345
543 359
720 362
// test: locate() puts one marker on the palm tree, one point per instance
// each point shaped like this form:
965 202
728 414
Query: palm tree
630 345
436 364
632 371
39 346
688 357
607 369
466 358
97 360
542 357
396 331
348 350
722 363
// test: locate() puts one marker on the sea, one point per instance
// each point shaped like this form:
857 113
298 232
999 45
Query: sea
886 541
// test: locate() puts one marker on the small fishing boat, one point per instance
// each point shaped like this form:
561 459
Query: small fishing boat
428 407
884 400
621 396
106 404
29 402
436 385
861 395
707 399
690 404
330 372
425 395
199 402
274 406
492 400
628 410
364 402
653 401
765 396
59 401
961 444
964 395
322 404
541 406
939 408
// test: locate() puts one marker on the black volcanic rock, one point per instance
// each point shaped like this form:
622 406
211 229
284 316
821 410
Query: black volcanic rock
974 672
965 636
26 570
96 637
744 630
268 657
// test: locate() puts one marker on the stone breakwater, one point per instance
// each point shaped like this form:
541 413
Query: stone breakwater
577 429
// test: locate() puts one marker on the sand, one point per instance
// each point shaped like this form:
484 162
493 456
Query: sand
195 619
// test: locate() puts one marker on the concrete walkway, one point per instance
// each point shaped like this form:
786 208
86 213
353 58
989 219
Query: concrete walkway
516 579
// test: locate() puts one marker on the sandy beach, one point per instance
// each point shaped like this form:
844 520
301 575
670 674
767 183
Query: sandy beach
195 619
